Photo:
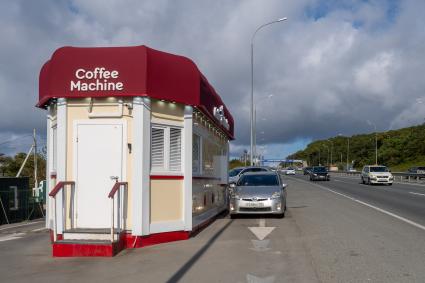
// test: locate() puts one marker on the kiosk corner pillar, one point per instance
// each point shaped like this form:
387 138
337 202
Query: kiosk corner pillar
187 167
62 122
141 166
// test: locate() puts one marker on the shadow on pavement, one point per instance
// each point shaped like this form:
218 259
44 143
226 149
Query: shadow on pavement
185 268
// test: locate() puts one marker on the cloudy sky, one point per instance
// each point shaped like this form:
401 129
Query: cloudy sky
331 67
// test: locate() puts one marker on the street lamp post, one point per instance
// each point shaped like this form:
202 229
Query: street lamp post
348 151
319 157
327 155
376 141
252 82
255 125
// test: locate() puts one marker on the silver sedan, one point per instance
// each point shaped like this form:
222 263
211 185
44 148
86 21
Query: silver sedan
258 193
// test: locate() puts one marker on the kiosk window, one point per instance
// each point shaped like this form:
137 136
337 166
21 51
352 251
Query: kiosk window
196 154
166 149
175 149
157 149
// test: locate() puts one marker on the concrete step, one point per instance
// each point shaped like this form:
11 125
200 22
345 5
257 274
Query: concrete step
89 234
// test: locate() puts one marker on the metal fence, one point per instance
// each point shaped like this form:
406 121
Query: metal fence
17 202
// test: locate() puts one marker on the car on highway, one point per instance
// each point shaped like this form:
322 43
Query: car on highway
290 171
258 193
319 173
416 170
306 170
236 173
376 174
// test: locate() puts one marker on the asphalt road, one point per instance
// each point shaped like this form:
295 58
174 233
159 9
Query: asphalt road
330 234
406 200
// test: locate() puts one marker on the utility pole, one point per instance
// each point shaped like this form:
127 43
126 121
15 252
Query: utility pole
348 151
319 157
35 160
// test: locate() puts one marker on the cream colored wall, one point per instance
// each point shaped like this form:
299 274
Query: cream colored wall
167 111
166 200
78 109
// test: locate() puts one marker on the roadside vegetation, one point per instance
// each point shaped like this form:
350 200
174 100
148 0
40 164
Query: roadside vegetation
398 149
9 166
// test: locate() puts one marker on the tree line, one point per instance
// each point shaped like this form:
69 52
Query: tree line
398 149
9 166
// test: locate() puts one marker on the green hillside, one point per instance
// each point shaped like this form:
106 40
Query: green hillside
398 149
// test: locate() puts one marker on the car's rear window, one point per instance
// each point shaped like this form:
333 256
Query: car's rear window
254 170
378 169
319 169
258 180
234 172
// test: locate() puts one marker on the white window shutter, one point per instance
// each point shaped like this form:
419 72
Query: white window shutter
175 149
157 149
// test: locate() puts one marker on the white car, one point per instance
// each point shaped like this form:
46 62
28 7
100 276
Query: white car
376 174
290 171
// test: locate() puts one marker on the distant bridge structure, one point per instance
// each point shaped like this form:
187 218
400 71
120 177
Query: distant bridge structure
276 162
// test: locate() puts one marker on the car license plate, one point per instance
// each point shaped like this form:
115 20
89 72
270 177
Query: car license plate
255 204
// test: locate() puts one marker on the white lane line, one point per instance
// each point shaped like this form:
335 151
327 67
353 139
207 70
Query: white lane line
11 237
254 279
39 229
21 225
417 225
413 193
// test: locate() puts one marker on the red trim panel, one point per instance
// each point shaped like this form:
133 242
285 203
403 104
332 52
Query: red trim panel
154 239
127 241
82 250
166 177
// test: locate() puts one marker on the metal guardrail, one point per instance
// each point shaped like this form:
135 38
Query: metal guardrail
398 176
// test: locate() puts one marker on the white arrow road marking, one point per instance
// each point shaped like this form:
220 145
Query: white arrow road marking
261 232
254 279
262 222
260 246
11 237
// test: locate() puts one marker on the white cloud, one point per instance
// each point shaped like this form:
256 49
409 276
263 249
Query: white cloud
326 74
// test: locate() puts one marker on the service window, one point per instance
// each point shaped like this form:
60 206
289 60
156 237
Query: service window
13 198
166 149
196 154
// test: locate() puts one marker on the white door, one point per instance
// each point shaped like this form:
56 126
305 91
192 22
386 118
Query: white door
99 156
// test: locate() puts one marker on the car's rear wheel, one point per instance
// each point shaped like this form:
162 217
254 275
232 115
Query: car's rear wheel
390 184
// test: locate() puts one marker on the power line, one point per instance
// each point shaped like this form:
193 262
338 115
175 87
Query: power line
14 139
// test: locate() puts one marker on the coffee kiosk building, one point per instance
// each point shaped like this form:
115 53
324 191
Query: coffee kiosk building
138 144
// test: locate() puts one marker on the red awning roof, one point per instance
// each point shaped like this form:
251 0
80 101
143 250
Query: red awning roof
141 70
